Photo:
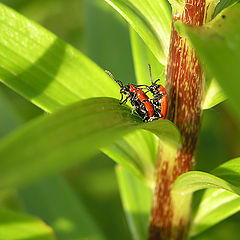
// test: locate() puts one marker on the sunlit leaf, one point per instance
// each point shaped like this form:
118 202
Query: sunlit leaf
195 180
52 74
224 4
43 68
142 56
39 199
136 199
217 203
229 171
151 20
226 176
215 206
213 94
70 135
18 226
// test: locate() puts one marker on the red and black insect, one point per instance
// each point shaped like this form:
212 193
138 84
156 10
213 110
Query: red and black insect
138 99
159 99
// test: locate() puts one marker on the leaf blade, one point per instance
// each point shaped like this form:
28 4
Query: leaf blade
51 73
142 56
68 133
215 206
15 226
154 28
200 180
136 200
213 95
43 68
221 198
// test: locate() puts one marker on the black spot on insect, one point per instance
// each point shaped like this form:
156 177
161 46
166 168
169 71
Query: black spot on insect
223 16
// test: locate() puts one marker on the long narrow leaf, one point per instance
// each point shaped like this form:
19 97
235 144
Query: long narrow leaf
213 94
142 56
224 4
215 206
151 20
136 199
43 68
40 199
73 134
217 203
226 176
196 180
52 74
18 226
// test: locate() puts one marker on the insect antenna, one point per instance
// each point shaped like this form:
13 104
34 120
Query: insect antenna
150 72
117 81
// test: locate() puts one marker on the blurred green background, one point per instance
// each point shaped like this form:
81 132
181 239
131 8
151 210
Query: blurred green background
99 32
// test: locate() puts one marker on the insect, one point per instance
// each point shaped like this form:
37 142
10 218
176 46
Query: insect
138 99
159 99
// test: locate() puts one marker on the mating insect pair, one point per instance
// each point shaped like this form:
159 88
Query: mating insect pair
149 109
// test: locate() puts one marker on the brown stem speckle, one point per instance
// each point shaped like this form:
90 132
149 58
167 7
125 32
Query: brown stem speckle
185 83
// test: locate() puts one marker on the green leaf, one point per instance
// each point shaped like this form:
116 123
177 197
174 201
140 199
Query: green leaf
40 199
73 134
142 56
43 68
52 74
136 150
215 206
17 226
136 200
9 119
95 184
54 201
213 94
226 176
229 171
98 13
110 49
151 20
218 47
224 4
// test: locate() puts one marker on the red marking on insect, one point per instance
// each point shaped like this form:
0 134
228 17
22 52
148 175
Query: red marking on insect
164 106
149 109
138 99
159 99
143 98
162 90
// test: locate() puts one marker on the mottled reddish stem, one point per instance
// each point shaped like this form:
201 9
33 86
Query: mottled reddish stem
185 84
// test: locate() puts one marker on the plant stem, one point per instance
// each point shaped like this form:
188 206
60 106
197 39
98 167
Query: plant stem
185 84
